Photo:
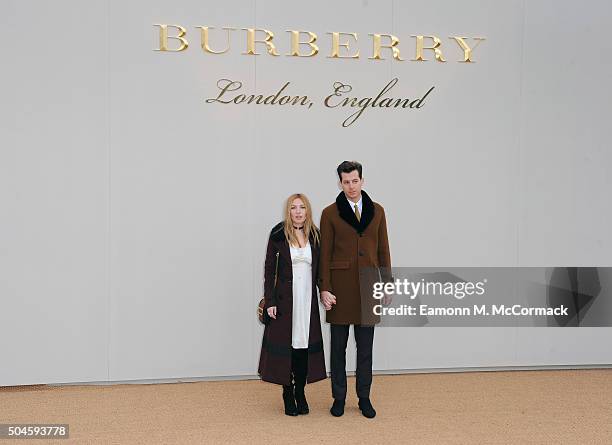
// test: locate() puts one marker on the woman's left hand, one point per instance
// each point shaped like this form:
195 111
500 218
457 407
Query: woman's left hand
272 312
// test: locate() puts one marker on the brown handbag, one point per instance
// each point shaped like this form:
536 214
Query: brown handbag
261 314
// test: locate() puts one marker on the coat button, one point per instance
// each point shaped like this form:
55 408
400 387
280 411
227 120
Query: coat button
289 281
360 253
361 234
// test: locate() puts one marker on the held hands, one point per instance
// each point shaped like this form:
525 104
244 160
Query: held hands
328 299
272 312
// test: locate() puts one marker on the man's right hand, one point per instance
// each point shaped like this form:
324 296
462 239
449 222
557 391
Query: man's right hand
327 298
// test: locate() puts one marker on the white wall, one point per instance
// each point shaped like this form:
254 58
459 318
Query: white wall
54 168
135 215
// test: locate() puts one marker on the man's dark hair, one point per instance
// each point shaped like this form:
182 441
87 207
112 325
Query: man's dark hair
349 166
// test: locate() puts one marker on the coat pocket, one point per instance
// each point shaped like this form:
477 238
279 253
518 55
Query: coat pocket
339 265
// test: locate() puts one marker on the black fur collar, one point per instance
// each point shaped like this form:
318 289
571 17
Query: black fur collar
278 233
348 214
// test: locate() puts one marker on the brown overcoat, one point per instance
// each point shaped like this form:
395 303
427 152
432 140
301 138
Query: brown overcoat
275 356
354 254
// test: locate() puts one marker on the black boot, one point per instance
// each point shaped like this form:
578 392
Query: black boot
289 400
300 399
300 370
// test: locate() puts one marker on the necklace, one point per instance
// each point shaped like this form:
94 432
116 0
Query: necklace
299 228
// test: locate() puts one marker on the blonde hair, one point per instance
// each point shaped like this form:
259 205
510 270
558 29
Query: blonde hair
310 230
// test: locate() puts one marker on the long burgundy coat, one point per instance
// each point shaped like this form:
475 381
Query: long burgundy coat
275 357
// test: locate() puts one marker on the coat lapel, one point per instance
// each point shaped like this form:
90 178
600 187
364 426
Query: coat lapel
315 256
348 215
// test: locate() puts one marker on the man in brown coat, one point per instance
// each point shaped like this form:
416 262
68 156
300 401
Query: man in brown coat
353 243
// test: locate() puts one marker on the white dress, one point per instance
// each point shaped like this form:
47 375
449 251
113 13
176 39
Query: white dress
301 261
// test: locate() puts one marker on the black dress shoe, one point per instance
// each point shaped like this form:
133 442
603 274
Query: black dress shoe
366 408
337 408
289 400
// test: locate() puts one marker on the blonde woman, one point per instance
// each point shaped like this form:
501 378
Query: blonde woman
292 347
